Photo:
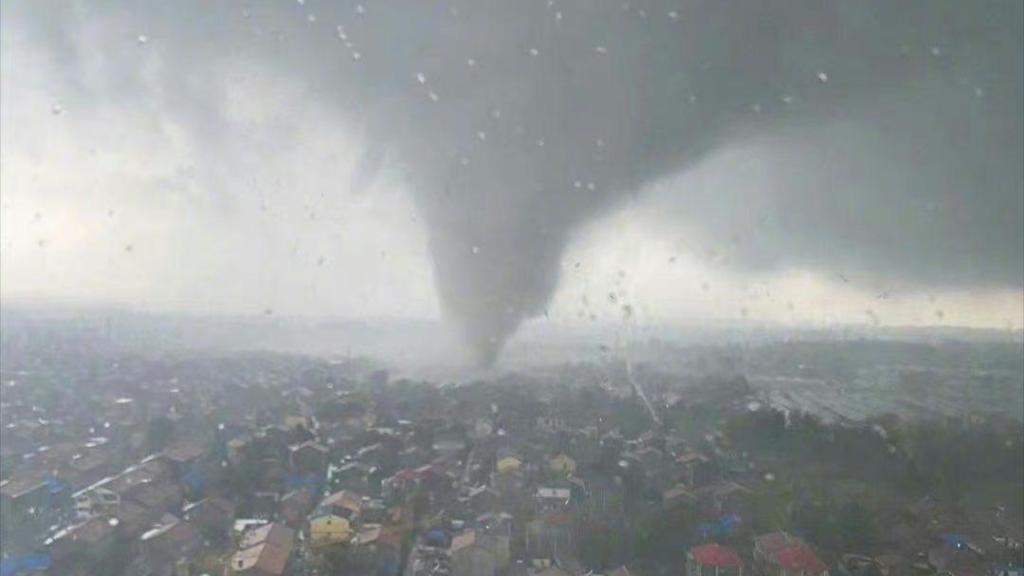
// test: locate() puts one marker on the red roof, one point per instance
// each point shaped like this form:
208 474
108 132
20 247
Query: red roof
799 558
717 556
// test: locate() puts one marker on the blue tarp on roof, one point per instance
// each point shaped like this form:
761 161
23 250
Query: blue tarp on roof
23 564
958 540
436 538
194 479
311 482
721 528
55 486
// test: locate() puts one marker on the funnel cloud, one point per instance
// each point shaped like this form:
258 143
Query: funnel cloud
893 129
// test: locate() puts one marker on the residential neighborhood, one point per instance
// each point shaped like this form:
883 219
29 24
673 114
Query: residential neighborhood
278 465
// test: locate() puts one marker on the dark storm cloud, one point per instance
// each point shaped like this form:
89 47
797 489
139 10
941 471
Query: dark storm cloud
898 124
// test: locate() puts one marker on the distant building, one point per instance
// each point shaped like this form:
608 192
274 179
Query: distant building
678 495
713 560
781 554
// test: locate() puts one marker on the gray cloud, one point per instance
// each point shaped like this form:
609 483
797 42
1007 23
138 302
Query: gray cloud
892 129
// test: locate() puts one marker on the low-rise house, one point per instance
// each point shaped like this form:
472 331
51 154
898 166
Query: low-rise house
327 529
22 492
781 554
165 544
480 499
263 551
449 443
726 497
550 424
562 464
183 457
678 495
308 457
159 496
294 507
957 557
494 532
550 500
550 537
133 519
83 544
470 558
694 468
350 476
713 560
345 504
508 463
213 516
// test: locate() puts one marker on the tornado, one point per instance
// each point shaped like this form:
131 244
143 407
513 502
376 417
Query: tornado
513 123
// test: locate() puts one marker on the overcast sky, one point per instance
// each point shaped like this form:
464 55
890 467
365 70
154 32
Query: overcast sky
490 162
